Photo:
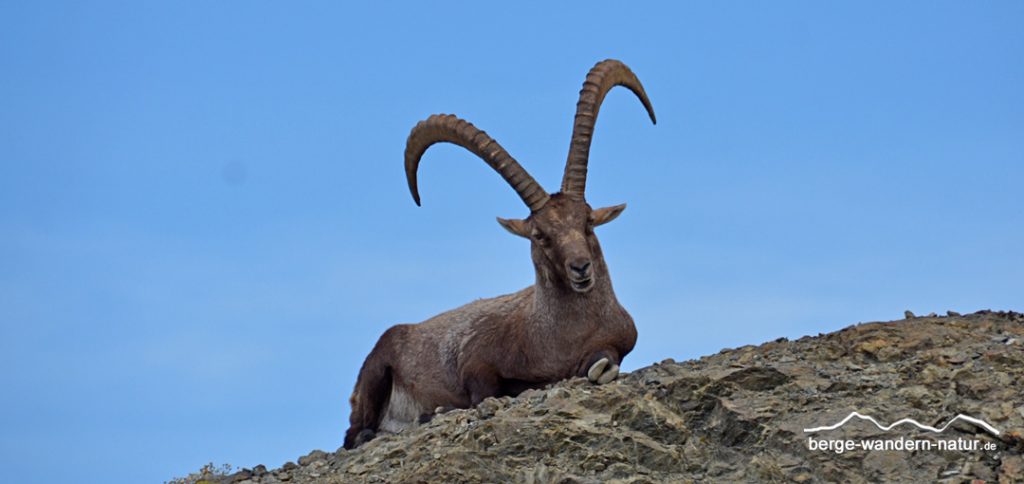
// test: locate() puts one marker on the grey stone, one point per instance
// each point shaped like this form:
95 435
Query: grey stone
737 416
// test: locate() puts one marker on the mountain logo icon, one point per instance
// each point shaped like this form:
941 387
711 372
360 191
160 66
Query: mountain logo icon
974 421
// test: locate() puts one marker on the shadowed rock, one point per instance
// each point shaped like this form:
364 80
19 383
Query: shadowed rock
736 416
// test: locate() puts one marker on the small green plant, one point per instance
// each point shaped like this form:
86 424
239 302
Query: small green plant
208 474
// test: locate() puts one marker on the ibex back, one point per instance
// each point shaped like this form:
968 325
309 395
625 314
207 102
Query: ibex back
567 324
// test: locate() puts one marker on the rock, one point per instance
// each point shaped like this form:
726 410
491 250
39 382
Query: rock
908 315
1012 469
241 476
757 378
312 457
489 407
737 416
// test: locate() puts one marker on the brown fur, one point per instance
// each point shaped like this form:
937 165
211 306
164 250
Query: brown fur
504 345
560 327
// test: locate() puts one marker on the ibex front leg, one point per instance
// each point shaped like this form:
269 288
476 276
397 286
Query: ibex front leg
601 367
480 383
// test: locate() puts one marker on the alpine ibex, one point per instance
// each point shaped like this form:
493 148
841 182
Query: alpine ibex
567 324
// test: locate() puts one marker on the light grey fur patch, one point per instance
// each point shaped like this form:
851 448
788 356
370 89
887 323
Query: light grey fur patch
402 411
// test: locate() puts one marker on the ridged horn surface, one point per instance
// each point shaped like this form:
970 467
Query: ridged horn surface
601 79
451 129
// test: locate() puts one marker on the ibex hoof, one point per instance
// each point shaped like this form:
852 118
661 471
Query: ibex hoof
443 409
597 369
363 437
601 372
610 374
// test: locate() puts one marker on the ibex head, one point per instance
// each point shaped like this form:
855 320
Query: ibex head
561 225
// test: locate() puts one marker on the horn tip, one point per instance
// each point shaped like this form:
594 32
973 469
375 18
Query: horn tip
414 191
650 112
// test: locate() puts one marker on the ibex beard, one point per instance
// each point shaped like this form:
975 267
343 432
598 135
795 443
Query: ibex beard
567 324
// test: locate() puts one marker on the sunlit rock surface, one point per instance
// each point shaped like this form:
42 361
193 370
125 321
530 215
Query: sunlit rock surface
737 416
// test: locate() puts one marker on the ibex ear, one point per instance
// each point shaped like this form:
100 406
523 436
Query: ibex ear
516 226
604 215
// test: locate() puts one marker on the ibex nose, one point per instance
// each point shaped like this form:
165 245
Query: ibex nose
581 267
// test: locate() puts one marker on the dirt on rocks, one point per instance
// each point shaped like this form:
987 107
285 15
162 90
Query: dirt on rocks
736 416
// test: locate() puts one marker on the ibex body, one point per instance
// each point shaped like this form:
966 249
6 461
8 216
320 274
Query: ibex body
567 324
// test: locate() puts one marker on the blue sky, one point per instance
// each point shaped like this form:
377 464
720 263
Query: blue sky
204 225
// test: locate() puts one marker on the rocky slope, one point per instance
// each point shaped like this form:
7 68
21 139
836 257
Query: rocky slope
735 416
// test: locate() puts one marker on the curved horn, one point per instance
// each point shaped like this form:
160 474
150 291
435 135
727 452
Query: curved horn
601 78
451 129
